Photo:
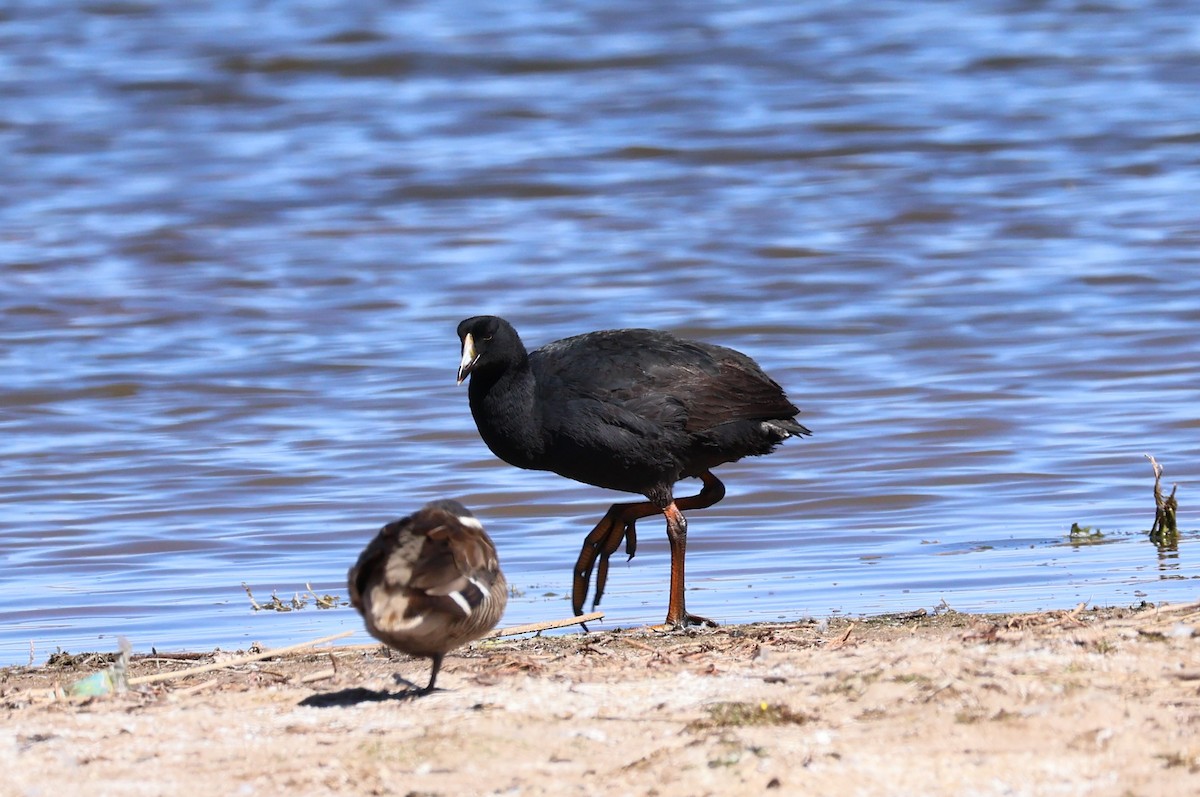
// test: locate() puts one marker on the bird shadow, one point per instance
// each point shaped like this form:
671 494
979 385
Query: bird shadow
358 694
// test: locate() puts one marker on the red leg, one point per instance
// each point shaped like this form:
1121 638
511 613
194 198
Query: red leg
710 493
677 614
619 523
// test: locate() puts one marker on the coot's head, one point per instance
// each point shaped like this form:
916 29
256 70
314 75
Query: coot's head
487 342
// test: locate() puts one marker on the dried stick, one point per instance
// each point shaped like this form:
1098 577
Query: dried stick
266 654
513 630
220 665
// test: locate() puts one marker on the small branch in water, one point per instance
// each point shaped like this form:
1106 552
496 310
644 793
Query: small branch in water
322 601
1165 529
257 606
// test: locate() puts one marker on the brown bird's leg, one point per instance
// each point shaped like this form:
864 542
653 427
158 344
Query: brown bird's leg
710 493
616 525
437 665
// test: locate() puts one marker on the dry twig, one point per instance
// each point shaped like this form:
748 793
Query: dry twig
512 630
220 665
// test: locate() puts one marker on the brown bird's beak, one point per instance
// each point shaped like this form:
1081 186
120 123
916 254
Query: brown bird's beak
469 358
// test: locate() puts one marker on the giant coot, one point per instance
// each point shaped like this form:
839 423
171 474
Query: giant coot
430 582
628 409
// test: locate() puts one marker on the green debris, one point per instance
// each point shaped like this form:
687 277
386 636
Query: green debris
1084 535
297 602
109 681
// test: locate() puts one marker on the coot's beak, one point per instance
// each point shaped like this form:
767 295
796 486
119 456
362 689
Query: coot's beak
468 358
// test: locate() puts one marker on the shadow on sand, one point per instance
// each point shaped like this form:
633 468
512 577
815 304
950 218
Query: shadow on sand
358 694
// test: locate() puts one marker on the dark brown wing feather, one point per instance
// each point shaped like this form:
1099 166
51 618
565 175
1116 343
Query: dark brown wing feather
737 392
661 378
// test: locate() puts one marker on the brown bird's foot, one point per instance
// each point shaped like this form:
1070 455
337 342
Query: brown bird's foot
429 688
424 690
412 689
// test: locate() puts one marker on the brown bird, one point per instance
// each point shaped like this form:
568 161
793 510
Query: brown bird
628 409
429 583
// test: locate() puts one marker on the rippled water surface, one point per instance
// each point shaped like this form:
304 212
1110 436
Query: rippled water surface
236 240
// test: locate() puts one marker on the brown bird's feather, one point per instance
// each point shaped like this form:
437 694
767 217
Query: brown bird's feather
429 583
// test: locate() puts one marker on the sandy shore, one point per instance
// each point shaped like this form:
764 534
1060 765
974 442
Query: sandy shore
1095 702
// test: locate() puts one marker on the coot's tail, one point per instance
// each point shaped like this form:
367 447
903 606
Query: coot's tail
786 428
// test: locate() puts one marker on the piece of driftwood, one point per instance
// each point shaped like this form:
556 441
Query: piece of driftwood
513 630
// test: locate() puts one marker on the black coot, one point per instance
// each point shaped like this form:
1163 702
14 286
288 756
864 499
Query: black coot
629 409
430 582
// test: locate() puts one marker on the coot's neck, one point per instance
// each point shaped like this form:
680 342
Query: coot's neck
503 405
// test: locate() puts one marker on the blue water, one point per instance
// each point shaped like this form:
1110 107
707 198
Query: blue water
235 241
